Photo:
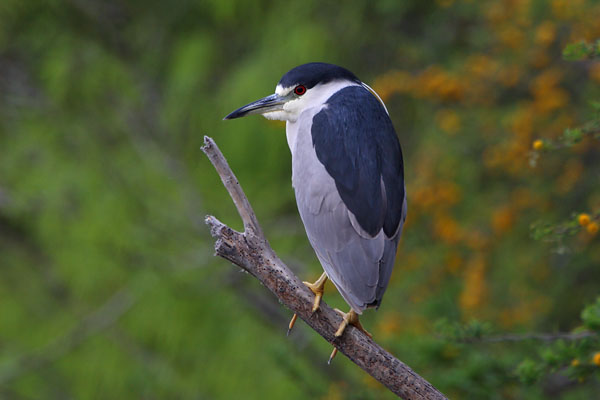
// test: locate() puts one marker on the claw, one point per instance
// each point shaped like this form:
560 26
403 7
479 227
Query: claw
291 325
317 289
333 353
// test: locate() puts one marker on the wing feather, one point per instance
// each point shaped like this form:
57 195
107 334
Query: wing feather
349 185
355 140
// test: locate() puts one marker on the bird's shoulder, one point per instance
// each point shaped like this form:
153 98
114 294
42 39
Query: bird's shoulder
354 139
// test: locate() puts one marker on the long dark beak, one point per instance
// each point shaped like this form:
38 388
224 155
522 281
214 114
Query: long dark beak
267 104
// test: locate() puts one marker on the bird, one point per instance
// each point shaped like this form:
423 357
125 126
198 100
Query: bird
347 176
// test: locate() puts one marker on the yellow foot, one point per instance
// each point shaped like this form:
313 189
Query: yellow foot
350 318
317 288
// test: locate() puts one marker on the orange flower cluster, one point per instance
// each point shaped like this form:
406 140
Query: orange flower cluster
586 222
506 96
596 358
435 197
475 287
503 219
548 96
432 83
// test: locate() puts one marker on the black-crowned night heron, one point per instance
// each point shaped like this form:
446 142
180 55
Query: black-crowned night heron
348 177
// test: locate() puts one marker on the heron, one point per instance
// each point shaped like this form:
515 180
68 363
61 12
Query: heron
348 179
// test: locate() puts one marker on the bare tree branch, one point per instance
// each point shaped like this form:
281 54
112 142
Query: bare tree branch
251 251
251 226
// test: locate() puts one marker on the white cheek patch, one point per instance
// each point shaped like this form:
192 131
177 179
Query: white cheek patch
292 109
292 105
276 115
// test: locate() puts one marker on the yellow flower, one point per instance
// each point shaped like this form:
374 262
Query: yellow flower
434 82
448 121
447 229
511 36
538 144
583 219
592 228
546 81
392 82
475 285
480 66
545 33
503 219
575 362
596 358
546 91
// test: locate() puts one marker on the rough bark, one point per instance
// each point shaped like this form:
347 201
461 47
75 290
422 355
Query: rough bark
251 252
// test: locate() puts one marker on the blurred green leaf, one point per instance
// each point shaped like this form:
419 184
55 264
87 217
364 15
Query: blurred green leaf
529 371
579 51
591 315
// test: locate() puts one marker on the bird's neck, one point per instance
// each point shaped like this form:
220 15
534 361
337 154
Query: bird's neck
291 132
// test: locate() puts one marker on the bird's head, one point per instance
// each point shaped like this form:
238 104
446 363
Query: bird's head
303 87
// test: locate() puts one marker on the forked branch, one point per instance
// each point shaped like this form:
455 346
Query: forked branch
251 252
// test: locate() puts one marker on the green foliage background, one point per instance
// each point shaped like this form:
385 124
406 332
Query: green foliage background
108 284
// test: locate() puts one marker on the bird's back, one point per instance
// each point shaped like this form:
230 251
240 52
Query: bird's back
347 174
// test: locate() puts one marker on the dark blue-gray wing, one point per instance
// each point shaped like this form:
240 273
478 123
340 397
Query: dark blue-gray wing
355 141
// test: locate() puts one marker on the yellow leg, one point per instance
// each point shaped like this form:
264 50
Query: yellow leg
350 318
317 288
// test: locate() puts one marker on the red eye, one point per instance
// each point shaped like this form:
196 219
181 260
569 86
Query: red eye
300 90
